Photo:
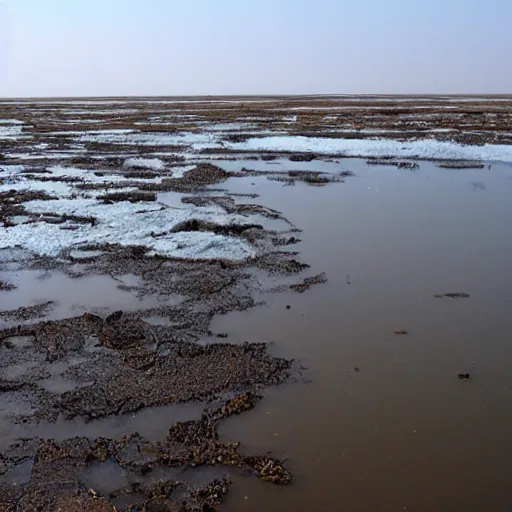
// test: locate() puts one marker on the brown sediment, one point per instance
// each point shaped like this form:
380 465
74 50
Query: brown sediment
200 225
401 164
309 282
27 312
460 164
302 157
56 478
453 295
135 196
6 287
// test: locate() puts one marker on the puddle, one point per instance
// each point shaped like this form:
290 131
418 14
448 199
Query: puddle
75 296
19 341
151 423
107 477
283 165
18 475
58 385
18 371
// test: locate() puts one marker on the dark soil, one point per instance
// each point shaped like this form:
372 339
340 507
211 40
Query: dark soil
302 157
6 287
193 180
228 230
140 365
453 295
309 282
133 197
27 312
56 480
396 163
460 164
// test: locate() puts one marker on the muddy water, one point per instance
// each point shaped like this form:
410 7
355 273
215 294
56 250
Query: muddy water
73 296
385 424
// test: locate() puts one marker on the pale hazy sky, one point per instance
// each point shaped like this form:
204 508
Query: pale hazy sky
192 47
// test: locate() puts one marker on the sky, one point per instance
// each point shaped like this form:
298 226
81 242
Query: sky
227 47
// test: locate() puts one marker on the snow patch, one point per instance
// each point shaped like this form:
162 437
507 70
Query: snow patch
196 140
126 224
10 131
425 149
145 163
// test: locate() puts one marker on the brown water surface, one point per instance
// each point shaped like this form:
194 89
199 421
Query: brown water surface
385 423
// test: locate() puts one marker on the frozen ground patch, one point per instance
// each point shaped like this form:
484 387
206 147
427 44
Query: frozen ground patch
154 164
126 224
10 131
196 140
425 149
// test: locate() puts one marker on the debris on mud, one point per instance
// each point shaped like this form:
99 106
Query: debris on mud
141 366
464 376
6 287
453 295
229 205
400 164
314 178
135 196
400 331
460 164
228 230
275 264
308 282
302 157
27 312
193 180
57 476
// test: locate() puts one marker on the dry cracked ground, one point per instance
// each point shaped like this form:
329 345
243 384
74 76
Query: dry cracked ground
135 197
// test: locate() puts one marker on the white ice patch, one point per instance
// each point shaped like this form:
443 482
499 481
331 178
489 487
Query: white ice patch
10 131
154 164
8 170
45 156
52 188
120 131
196 140
63 189
227 127
426 149
11 121
126 224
